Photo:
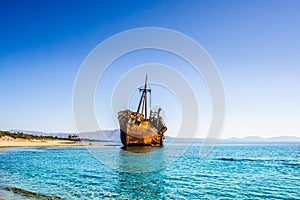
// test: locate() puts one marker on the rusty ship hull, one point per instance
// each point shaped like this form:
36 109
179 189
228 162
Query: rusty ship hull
135 130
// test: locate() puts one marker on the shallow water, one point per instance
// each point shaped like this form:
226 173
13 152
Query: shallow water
239 171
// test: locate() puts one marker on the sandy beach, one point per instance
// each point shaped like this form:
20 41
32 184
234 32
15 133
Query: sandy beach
7 141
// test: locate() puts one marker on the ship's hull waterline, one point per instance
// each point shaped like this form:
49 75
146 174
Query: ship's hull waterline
136 131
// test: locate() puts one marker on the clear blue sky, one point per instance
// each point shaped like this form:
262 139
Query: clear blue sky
255 44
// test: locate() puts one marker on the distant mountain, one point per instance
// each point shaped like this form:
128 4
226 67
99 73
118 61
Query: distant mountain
284 139
260 139
104 135
252 138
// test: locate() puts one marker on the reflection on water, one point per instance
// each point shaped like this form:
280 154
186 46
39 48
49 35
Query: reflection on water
141 159
133 159
139 149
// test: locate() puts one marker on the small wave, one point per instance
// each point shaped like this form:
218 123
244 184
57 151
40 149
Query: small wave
30 194
228 159
90 176
293 164
237 159
251 159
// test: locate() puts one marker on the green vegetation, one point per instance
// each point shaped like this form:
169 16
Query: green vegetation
28 136
74 137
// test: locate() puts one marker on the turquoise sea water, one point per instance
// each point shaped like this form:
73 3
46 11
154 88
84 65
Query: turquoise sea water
233 171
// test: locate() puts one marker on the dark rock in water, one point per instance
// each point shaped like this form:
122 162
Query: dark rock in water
30 194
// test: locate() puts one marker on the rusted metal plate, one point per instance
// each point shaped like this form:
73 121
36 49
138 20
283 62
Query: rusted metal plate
138 131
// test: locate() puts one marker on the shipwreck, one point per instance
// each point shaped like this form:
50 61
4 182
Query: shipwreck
137 129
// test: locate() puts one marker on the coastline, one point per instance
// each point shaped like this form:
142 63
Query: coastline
6 142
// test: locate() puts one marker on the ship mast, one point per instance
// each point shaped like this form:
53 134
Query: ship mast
143 100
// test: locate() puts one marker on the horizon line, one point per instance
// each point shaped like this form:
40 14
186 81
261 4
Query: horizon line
221 138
